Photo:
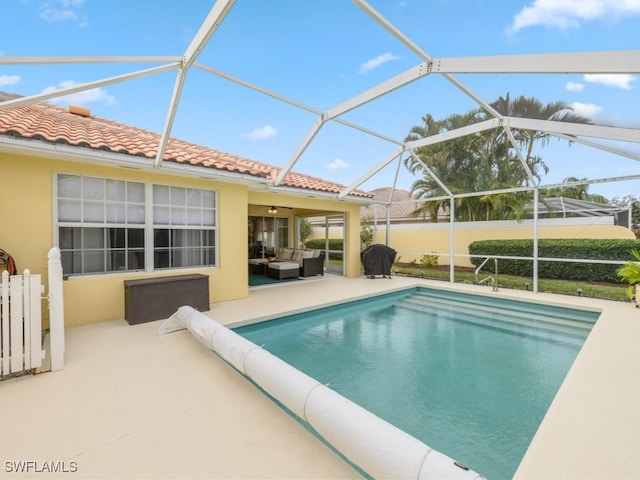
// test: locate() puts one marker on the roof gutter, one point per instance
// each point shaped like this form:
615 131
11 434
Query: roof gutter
90 156
318 194
110 159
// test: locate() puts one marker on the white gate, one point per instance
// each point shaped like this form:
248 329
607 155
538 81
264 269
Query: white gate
21 319
21 330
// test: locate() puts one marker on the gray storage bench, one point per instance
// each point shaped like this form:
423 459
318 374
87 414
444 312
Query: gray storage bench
149 299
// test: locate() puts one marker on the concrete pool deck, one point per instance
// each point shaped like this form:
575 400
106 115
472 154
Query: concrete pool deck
131 404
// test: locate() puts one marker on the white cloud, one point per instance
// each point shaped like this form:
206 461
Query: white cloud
564 14
63 11
588 110
81 98
622 80
574 87
9 80
337 164
266 131
376 62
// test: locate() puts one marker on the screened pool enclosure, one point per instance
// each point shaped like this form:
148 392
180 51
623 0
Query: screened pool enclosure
464 76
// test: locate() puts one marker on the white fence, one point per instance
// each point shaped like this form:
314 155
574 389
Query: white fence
21 319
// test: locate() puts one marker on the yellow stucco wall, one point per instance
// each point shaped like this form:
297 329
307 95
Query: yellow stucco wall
411 241
437 238
27 232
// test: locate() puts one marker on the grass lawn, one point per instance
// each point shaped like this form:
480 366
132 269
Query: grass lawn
607 291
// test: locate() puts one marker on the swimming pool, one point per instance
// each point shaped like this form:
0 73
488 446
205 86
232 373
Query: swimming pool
471 376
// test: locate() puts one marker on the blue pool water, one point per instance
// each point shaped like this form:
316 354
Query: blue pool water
470 376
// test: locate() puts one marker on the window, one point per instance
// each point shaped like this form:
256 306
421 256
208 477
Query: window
184 222
103 224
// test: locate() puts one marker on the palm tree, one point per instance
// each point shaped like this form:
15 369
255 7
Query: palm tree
483 161
530 107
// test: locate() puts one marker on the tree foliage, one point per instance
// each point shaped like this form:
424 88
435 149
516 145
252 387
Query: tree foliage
482 162
305 229
633 202
366 232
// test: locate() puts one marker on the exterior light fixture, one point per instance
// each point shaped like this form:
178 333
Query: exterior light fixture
273 210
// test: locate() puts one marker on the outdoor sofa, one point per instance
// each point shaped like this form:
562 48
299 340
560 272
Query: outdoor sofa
310 261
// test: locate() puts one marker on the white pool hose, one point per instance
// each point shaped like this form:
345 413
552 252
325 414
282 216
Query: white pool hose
369 442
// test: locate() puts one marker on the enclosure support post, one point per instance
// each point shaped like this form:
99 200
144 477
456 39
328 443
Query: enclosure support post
452 215
374 238
536 192
388 225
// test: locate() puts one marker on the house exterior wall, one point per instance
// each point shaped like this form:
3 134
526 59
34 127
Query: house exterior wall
27 232
411 241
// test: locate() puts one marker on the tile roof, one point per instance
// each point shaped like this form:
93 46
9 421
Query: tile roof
398 211
53 124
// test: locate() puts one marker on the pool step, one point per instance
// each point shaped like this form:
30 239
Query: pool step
554 314
529 309
510 326
581 319
522 321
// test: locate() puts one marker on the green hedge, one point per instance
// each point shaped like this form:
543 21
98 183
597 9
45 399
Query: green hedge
557 248
334 244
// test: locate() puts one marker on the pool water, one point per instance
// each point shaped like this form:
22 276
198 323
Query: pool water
470 376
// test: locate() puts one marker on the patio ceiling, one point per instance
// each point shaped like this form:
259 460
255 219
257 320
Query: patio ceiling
610 62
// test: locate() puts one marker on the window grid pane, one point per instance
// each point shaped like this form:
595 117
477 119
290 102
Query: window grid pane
175 248
102 224
100 250
182 206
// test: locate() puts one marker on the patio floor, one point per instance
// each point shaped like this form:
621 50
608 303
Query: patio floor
130 404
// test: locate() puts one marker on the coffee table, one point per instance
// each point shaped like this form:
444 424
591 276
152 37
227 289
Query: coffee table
258 265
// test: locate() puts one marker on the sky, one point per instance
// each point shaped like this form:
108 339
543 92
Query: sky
320 54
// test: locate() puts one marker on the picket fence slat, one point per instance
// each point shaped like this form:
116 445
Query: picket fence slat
35 293
16 320
26 321
4 333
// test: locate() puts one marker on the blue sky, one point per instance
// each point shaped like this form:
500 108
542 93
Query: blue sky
320 54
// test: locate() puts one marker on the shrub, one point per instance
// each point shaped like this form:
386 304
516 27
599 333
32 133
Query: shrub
582 248
429 261
320 244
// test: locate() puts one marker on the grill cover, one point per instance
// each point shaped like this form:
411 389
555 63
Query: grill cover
377 260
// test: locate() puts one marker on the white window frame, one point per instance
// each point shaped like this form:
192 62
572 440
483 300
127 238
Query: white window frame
178 216
148 225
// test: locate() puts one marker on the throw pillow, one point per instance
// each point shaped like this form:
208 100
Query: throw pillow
286 253
297 256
